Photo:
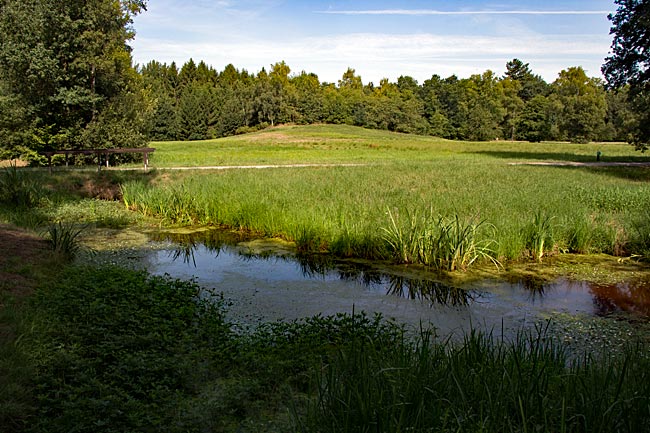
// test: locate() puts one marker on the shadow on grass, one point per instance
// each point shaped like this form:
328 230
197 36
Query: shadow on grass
633 172
65 194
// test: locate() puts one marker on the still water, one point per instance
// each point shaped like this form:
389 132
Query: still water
279 286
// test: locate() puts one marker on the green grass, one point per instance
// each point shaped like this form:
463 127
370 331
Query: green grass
114 350
347 144
342 209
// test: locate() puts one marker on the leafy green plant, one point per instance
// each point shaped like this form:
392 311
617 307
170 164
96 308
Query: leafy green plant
538 235
65 239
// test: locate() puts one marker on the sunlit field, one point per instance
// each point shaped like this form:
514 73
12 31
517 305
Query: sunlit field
404 186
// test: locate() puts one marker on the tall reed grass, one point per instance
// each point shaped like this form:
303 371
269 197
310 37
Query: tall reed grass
18 188
482 384
442 243
525 211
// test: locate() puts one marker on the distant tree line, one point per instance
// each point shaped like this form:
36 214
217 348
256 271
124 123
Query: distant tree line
197 102
67 81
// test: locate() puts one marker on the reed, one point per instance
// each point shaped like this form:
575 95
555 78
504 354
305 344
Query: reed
17 188
538 235
65 239
343 209
481 384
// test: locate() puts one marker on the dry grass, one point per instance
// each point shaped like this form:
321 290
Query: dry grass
13 162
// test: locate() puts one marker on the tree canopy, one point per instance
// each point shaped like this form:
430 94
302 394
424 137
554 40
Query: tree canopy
65 70
67 81
629 62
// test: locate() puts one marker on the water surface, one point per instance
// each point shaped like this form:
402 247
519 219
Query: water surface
268 287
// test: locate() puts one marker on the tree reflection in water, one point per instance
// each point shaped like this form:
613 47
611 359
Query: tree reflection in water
629 296
432 291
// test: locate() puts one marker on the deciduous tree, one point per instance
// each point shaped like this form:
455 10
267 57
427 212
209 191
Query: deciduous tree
629 62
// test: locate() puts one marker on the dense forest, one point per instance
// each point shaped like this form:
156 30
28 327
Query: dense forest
67 81
197 102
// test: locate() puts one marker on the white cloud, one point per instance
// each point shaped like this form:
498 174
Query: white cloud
376 56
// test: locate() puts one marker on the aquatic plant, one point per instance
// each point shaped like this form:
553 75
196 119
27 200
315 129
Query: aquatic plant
64 239
442 243
453 243
538 235
404 239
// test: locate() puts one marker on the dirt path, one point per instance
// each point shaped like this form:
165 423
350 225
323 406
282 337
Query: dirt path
241 167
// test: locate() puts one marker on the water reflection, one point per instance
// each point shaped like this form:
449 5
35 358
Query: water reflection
630 296
321 266
528 293
432 291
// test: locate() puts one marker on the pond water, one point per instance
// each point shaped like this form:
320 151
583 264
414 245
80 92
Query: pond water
263 282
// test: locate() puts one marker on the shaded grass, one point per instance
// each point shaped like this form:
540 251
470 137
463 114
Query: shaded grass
480 385
150 356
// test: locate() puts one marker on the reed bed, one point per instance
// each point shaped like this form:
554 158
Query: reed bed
531 211
480 385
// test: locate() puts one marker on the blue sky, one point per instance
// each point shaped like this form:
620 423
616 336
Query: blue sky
379 39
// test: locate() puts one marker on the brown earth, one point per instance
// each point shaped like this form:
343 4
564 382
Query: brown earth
19 251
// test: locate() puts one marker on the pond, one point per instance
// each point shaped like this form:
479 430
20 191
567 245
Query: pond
264 280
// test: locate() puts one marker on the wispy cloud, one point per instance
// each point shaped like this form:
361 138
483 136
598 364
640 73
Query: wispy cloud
376 56
420 12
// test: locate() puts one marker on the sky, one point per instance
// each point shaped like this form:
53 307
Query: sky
380 38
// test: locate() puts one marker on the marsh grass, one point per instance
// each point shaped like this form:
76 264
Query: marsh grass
19 188
343 209
538 235
481 384
65 239
444 243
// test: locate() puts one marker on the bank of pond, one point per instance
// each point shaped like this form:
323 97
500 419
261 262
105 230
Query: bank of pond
118 350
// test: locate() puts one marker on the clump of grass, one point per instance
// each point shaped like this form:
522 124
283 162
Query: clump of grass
442 243
453 243
538 235
404 238
65 239
580 236
641 233
17 188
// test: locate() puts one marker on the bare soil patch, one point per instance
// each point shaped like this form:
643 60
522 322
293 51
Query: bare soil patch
19 251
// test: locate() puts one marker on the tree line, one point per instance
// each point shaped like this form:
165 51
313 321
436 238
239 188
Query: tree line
67 81
196 102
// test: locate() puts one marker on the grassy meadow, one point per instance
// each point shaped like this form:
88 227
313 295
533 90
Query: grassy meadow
404 189
87 347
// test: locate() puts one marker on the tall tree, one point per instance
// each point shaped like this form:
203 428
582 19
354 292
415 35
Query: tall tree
585 107
65 63
629 62
531 85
